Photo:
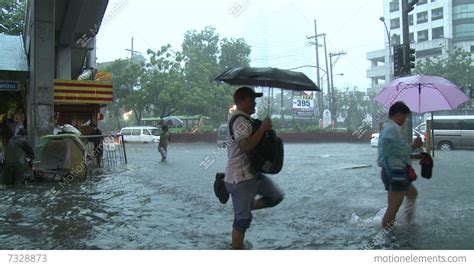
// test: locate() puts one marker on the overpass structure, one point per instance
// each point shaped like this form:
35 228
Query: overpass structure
59 42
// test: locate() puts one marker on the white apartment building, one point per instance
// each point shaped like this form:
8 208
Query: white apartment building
435 26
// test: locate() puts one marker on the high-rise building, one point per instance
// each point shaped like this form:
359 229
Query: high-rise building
277 40
436 27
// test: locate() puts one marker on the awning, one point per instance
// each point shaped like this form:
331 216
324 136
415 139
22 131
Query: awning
83 92
12 54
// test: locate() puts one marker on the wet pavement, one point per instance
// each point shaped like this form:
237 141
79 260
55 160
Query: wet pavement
334 200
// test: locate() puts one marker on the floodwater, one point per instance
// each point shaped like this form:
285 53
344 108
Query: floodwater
334 200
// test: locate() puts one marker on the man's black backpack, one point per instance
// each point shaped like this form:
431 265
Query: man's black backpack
267 157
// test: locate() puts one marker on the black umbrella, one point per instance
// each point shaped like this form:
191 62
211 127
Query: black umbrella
268 77
172 121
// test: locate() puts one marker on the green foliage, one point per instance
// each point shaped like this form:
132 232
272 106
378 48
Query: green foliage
163 82
173 82
234 53
126 75
205 56
353 105
456 67
12 17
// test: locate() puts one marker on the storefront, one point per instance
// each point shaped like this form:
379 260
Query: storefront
13 78
78 103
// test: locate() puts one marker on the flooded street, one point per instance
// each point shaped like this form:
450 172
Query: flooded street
334 200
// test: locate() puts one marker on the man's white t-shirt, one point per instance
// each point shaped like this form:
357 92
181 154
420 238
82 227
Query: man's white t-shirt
238 165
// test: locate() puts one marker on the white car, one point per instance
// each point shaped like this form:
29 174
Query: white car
374 138
141 134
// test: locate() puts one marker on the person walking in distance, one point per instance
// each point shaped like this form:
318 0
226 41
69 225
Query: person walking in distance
249 189
164 141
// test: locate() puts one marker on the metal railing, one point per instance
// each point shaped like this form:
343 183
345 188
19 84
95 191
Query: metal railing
105 150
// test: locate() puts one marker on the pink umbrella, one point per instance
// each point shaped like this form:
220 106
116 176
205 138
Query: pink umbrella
422 93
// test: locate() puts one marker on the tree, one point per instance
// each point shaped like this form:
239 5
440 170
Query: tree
205 56
163 81
179 82
457 67
126 75
234 53
354 105
12 16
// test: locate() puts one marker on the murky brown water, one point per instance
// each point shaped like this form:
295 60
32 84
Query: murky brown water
151 205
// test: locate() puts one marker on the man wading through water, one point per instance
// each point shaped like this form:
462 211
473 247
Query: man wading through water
241 181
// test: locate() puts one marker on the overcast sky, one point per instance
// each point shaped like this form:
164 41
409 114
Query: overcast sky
351 26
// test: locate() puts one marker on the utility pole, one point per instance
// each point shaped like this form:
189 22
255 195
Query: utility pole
131 51
327 69
318 74
332 96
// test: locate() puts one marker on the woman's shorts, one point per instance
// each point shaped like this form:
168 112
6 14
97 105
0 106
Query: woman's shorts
391 185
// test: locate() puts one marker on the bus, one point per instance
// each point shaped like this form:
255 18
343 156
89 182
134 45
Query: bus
193 123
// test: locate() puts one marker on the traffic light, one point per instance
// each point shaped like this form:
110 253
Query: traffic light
411 6
409 59
398 60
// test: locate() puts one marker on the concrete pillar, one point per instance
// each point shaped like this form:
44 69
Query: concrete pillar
92 55
63 71
40 93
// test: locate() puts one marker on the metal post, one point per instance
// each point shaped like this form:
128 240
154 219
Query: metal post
327 67
330 96
318 74
282 115
131 52
124 150
390 56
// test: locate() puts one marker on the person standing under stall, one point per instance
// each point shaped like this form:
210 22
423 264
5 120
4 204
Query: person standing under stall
15 164
241 181
164 142
98 146
18 120
7 130
394 154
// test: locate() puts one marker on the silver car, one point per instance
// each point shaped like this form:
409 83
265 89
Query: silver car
452 132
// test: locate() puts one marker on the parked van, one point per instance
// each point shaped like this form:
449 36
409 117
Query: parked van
451 132
141 134
222 135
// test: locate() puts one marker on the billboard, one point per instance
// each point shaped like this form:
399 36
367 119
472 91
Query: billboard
303 103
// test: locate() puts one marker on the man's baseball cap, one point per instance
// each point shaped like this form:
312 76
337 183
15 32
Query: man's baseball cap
243 93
